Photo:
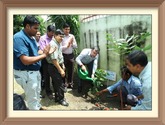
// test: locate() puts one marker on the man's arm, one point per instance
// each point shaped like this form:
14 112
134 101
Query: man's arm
27 60
94 66
60 70
110 88
80 57
74 43
101 92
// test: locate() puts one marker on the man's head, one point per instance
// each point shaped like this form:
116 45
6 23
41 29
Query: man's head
38 35
31 25
50 31
66 29
136 61
125 73
59 35
95 51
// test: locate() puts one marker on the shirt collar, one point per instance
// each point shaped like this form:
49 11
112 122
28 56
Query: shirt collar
55 41
143 71
89 53
32 38
48 37
129 80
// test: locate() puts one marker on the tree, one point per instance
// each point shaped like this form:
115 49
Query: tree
72 20
18 23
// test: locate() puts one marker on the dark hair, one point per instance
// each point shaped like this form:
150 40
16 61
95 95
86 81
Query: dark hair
125 70
96 48
51 28
31 20
137 57
65 25
59 32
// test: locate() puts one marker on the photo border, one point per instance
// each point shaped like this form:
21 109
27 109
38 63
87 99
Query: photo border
4 4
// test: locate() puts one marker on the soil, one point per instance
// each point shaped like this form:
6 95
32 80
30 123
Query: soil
77 101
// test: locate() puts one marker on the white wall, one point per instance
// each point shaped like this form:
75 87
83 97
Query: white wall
114 24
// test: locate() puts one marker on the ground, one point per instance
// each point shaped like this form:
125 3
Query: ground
76 101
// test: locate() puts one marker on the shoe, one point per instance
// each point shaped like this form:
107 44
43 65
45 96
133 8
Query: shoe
64 89
43 108
58 100
70 85
66 84
64 103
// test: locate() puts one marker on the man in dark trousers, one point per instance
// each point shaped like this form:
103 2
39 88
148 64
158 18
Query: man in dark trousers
45 40
87 60
68 45
56 68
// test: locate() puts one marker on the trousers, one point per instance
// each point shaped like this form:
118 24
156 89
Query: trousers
30 81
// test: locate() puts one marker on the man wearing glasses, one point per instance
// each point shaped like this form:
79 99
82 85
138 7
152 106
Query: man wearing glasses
56 68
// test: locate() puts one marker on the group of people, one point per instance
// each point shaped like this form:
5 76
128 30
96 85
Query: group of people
39 58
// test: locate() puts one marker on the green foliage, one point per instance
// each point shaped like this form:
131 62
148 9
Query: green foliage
125 46
100 78
42 27
72 20
18 23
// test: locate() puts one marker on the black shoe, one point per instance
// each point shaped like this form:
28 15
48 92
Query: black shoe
64 103
64 89
70 85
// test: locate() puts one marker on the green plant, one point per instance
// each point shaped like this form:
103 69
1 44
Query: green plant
125 46
100 78
17 23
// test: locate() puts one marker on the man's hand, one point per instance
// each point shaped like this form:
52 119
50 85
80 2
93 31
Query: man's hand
52 50
83 68
70 42
127 107
62 73
93 76
46 50
63 67
40 52
98 93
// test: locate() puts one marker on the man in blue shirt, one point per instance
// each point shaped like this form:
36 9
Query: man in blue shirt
27 62
137 63
130 87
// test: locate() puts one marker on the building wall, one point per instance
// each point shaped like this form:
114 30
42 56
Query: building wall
93 32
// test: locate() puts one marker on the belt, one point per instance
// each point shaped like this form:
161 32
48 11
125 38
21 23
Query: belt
27 70
67 54
54 65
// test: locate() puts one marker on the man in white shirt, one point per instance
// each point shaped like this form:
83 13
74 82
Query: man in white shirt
138 64
88 57
68 45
